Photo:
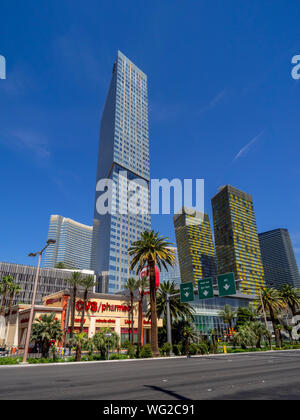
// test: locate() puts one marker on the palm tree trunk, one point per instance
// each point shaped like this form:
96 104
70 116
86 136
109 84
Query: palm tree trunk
131 321
140 330
83 309
78 352
73 313
276 332
154 337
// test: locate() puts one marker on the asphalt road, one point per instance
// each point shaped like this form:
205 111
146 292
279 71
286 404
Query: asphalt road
250 376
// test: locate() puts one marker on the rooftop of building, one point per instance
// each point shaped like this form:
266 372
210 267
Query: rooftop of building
233 190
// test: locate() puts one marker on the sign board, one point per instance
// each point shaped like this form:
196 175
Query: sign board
205 288
226 284
187 292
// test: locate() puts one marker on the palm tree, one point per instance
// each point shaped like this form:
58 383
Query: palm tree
87 282
188 336
178 309
273 303
44 330
132 286
291 296
75 282
6 282
260 332
245 337
227 314
152 250
79 338
101 341
143 283
61 265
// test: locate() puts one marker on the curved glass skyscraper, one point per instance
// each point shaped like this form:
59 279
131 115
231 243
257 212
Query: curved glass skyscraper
123 158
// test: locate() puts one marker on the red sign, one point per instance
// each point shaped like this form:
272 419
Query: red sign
145 272
110 321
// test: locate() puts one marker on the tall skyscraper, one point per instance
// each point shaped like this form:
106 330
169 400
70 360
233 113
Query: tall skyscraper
236 239
73 243
123 157
195 245
173 272
278 258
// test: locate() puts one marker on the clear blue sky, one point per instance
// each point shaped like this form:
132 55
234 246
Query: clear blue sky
223 105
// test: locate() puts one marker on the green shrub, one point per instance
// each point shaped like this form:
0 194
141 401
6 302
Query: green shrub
146 351
177 348
130 351
166 349
193 349
138 351
203 347
10 360
117 356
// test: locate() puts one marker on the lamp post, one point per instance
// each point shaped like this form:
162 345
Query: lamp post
108 335
40 253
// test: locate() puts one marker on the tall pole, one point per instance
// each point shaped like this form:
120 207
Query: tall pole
49 242
169 333
265 318
32 310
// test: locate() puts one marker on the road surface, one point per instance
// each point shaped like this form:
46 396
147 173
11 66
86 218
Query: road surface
241 376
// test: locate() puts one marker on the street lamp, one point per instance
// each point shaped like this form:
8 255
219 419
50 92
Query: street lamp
34 254
108 335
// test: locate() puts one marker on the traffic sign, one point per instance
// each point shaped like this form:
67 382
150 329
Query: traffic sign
226 284
205 288
187 292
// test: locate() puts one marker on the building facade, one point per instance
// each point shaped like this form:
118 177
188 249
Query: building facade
51 280
236 238
173 273
73 243
102 310
195 245
123 161
279 262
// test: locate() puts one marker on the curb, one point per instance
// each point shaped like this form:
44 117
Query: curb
148 359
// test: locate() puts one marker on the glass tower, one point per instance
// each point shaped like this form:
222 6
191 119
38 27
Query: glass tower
73 243
195 245
236 238
278 258
123 159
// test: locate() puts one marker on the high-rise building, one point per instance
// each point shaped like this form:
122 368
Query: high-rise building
73 243
236 239
123 157
173 272
278 258
195 245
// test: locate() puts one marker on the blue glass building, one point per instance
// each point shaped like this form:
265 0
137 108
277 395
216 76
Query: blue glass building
123 157
73 243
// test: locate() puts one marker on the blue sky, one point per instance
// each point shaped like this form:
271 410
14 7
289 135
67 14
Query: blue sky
222 105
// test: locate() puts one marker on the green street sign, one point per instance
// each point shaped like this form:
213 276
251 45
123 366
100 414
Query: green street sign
226 284
205 288
187 292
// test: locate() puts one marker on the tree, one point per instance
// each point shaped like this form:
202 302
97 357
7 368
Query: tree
44 330
227 314
102 342
131 286
273 304
6 282
13 289
245 337
61 265
79 339
152 250
291 297
246 314
189 336
178 309
260 332
87 283
74 281
142 284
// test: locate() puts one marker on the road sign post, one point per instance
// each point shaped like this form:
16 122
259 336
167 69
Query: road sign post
187 292
226 284
205 288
